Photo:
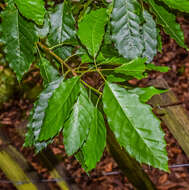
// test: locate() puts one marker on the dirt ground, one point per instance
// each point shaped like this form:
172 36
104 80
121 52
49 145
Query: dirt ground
101 178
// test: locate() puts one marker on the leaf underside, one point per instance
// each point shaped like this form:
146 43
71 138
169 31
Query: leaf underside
126 28
149 37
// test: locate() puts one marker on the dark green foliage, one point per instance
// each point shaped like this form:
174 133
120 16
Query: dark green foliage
111 42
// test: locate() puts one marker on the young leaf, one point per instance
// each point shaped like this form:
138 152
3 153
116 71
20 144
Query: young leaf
91 30
135 127
145 94
32 9
77 126
135 68
96 141
58 108
168 22
126 28
48 72
19 37
153 67
181 5
149 37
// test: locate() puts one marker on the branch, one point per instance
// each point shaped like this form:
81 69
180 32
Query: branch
46 49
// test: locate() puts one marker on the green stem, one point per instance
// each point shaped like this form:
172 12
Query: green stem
90 87
59 45
69 57
56 57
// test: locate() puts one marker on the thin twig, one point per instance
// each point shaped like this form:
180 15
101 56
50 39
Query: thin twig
56 57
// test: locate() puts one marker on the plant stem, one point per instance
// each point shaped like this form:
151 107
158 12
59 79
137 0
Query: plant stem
59 45
57 58
90 87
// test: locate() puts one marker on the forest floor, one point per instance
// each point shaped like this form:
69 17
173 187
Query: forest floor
15 111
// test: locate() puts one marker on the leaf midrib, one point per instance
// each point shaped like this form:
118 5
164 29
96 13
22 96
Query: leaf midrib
71 89
130 121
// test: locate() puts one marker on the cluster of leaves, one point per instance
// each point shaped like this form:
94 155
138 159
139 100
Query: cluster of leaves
118 41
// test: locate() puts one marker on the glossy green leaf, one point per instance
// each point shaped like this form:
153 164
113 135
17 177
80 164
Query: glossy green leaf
114 77
19 37
181 5
42 31
77 126
145 94
91 30
96 141
126 28
59 107
37 114
135 126
32 9
168 21
62 24
114 61
62 28
149 37
153 67
48 72
135 68
86 58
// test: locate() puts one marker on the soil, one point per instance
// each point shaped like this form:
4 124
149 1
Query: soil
107 175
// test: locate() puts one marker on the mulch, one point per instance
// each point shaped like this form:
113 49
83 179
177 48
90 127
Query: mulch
107 175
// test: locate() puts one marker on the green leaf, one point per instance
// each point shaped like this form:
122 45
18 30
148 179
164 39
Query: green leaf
80 157
149 37
145 94
62 29
59 107
32 9
135 126
135 68
126 28
181 5
168 21
19 37
42 31
114 77
153 67
48 72
159 39
37 114
77 126
114 61
96 141
85 58
92 29
62 24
